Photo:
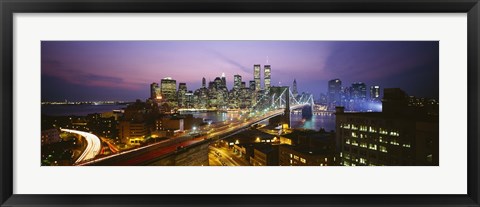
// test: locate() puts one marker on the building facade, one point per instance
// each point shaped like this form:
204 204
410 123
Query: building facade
181 95
237 82
256 76
267 77
300 156
154 91
398 136
168 88
334 93
374 93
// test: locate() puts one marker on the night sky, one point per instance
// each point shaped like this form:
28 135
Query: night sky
123 70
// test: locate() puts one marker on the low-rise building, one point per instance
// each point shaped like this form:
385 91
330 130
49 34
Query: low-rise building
307 148
305 156
133 133
264 155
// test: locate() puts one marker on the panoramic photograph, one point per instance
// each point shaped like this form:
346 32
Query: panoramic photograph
239 103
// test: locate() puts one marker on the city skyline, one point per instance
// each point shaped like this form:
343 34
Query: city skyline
123 70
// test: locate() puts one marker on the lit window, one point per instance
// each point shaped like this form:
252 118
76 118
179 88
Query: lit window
303 160
363 128
394 142
383 149
394 133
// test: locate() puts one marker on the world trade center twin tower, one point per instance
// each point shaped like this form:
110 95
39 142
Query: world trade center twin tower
256 76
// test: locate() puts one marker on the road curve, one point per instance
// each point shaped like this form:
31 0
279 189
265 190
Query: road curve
93 145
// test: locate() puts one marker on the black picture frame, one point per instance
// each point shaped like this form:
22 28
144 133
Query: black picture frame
9 7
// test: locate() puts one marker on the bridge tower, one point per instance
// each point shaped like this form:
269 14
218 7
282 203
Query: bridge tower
286 113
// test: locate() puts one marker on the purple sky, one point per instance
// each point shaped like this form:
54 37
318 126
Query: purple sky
123 70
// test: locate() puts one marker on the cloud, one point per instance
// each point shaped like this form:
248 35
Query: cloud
56 69
230 61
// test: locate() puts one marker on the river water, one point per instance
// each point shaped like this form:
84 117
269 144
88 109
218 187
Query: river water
325 121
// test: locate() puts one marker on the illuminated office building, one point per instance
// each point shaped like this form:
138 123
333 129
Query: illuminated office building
155 91
256 76
359 91
181 95
237 82
375 93
400 135
267 78
334 92
168 89
224 81
252 85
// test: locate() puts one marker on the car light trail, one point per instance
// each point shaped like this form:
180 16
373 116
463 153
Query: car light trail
93 145
219 131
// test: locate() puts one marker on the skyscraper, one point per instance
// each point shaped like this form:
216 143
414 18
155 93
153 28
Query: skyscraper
218 83
168 89
267 78
154 91
295 91
256 76
252 85
181 95
375 93
359 91
237 82
334 90
224 81
204 82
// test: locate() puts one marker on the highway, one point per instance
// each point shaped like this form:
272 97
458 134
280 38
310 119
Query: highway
93 145
225 157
